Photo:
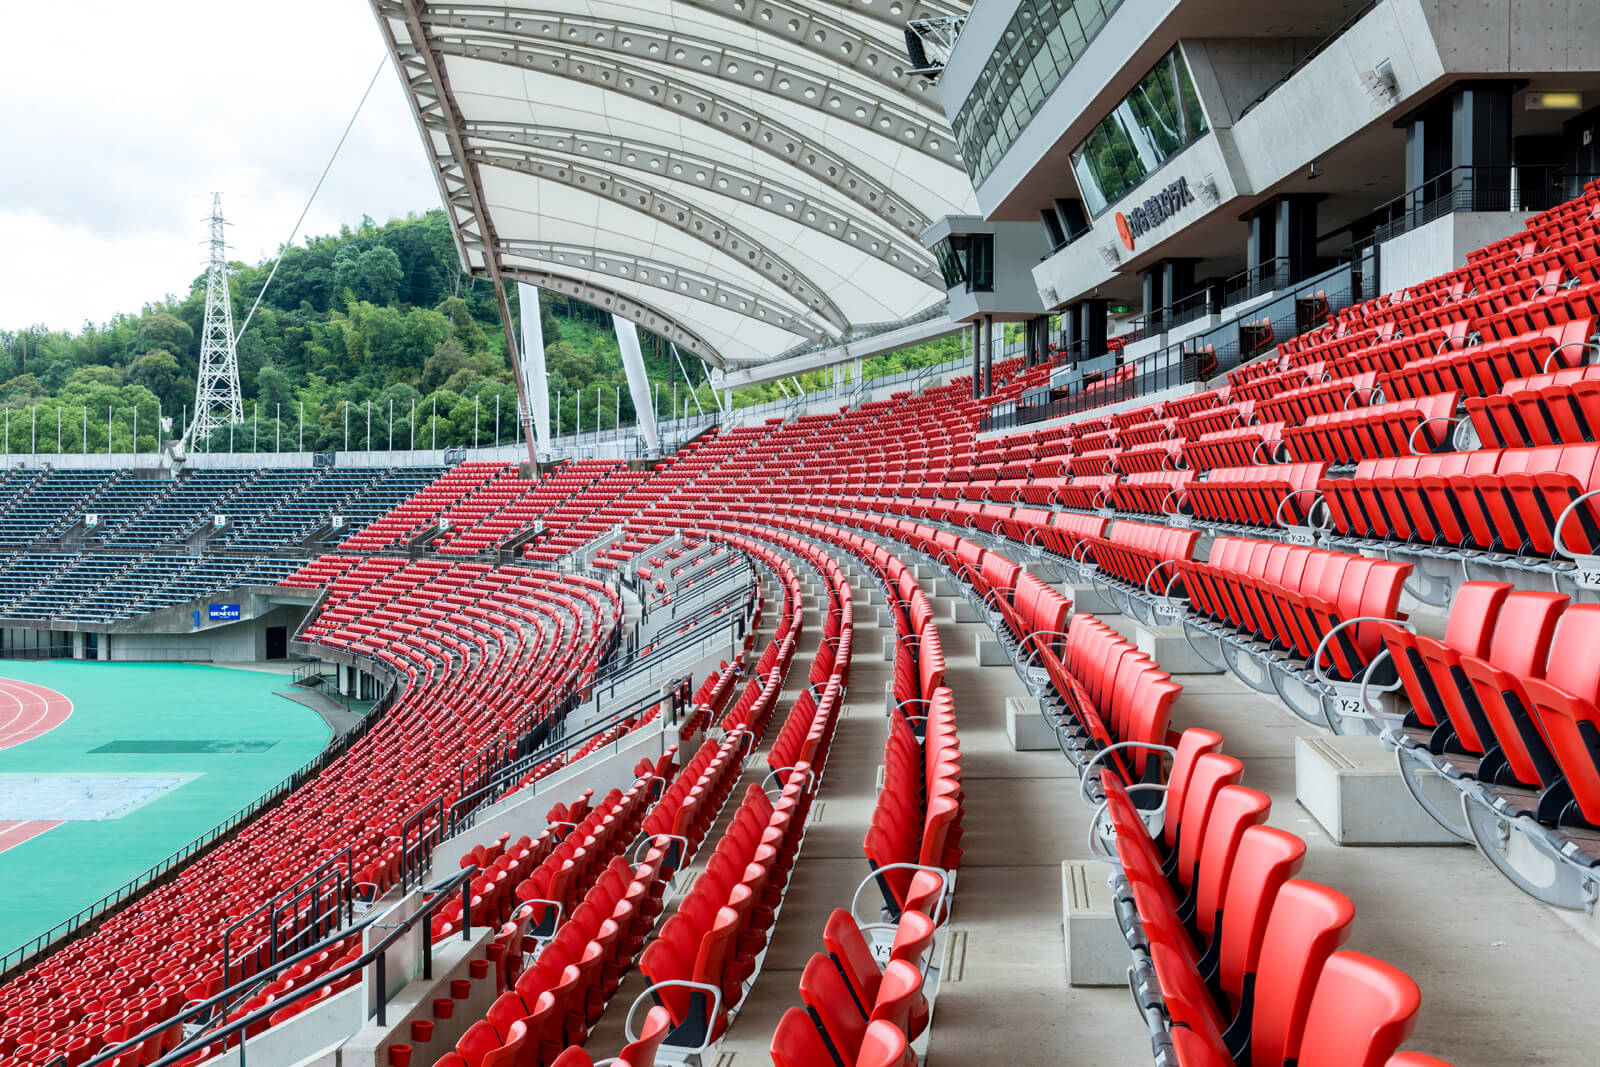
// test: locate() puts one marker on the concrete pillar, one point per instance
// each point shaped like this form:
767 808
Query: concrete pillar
1480 136
535 380
994 342
638 383
1155 297
104 647
1296 237
1179 279
1428 152
1261 248
977 358
1071 339
1092 324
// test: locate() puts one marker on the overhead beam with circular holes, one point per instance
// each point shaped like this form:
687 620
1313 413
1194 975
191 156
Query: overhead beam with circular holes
556 148
629 307
664 276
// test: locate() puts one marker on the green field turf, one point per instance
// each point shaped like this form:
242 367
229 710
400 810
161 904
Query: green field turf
144 713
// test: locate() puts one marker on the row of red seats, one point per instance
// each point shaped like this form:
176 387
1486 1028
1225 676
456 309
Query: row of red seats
1234 959
1506 702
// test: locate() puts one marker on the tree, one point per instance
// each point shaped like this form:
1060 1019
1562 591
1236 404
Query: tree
165 332
274 389
158 371
447 360
373 275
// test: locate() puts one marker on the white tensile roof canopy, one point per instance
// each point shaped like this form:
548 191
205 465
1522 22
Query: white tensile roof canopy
746 178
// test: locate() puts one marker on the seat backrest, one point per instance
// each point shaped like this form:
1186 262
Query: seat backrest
1362 1009
883 1046
1308 922
1574 663
797 1042
1473 612
844 942
899 993
823 989
642 1053
1235 810
1522 632
1265 859
1192 744
1211 773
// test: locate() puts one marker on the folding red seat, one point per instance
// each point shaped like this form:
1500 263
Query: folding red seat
1361 1010
1563 702
1500 713
1430 669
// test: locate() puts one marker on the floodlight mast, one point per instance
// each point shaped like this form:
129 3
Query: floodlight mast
217 399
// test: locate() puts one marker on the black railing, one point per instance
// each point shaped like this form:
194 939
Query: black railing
1164 371
1305 306
200 1019
1488 189
1266 277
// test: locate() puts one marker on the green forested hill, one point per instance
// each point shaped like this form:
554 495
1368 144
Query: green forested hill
377 316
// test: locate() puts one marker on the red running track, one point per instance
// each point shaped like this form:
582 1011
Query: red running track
28 711
13 834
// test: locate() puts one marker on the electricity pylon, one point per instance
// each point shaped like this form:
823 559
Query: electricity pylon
217 401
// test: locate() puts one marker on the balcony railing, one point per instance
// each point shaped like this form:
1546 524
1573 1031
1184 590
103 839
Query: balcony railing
1510 188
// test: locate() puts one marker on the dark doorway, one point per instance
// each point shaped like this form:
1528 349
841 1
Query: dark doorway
277 642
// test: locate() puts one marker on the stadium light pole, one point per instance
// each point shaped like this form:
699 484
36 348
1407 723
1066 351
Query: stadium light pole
369 424
85 429
255 434
347 425
33 443
391 424
300 440
8 431
413 424
108 430
476 406
433 424
277 433
497 420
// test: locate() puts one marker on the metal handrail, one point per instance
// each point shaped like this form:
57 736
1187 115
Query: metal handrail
435 897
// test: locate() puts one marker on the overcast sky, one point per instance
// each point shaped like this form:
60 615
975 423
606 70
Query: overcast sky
119 120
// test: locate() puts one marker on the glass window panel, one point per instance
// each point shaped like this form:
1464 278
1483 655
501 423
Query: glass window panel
1157 120
1037 48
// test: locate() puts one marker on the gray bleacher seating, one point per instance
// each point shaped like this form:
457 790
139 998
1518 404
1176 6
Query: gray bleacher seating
147 549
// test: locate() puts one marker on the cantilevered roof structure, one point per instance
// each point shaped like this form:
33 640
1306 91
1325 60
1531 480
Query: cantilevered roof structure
747 178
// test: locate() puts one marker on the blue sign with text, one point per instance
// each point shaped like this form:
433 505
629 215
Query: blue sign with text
223 613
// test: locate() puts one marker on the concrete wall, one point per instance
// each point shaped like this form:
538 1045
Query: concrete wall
1329 100
1230 73
244 641
1442 245
1516 35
